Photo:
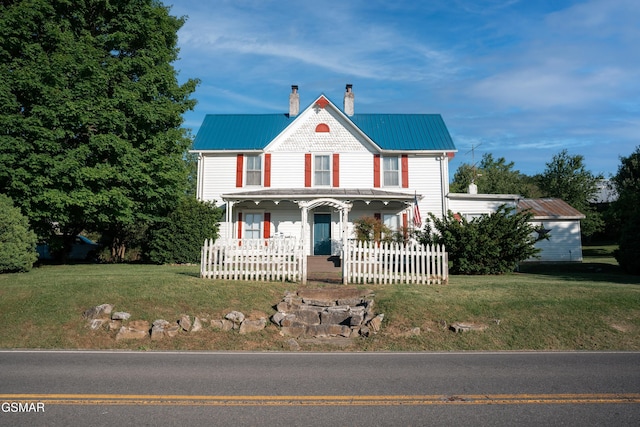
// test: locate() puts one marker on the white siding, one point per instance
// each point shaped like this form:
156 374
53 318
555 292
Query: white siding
564 244
287 170
471 208
219 176
472 205
356 170
424 178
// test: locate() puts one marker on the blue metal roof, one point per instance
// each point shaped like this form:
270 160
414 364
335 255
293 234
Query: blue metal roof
238 132
402 132
405 132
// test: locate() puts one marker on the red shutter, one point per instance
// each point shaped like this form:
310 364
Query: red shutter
266 227
307 170
267 170
376 170
239 172
405 171
239 225
377 216
336 170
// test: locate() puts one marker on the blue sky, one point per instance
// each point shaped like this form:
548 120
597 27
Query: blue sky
518 79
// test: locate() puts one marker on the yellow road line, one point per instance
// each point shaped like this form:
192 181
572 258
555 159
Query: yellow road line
382 400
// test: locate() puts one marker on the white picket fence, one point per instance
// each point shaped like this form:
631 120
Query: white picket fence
252 259
392 263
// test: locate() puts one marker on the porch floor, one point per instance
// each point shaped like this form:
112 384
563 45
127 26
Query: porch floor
324 268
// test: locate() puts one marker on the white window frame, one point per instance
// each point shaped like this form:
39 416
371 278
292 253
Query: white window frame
251 171
316 171
396 171
394 218
245 224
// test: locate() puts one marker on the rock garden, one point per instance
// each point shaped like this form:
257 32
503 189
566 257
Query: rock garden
323 313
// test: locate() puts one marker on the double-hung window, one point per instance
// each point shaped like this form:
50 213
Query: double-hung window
391 171
252 225
254 170
322 170
392 222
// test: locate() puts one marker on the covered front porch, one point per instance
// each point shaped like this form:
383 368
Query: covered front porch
323 219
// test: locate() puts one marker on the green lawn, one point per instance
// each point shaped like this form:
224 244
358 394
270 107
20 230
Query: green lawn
588 306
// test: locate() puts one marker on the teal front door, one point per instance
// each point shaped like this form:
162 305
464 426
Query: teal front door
322 234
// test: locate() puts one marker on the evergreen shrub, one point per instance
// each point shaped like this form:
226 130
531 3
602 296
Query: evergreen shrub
17 240
489 244
179 239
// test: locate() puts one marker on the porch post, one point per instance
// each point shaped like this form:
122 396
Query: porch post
304 214
229 220
345 239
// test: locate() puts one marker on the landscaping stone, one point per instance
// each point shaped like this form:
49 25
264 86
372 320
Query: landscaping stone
249 326
120 315
172 331
278 318
319 302
289 320
197 325
351 302
310 316
293 331
327 313
101 311
338 317
466 327
137 329
375 323
236 317
158 329
224 324
185 322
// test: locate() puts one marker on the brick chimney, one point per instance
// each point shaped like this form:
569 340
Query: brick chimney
348 100
294 101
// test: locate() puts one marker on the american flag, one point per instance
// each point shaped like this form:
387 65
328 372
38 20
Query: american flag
417 219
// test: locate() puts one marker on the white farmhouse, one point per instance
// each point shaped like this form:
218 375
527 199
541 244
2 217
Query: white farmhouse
310 174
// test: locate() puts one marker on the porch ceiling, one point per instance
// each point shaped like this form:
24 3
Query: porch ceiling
343 194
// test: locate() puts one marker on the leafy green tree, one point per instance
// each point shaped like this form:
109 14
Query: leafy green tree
90 112
492 177
488 244
180 237
627 185
17 240
566 178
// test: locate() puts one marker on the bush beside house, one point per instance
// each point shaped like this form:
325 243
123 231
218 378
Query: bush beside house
17 240
489 244
179 239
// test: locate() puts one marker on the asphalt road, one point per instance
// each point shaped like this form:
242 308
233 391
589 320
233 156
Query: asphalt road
63 388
